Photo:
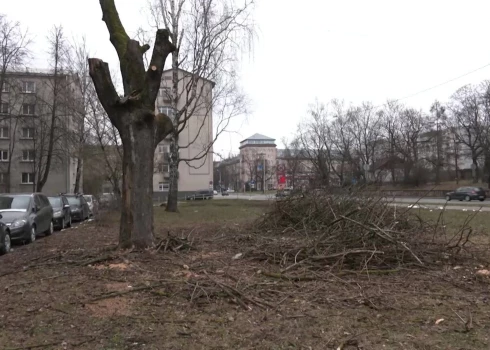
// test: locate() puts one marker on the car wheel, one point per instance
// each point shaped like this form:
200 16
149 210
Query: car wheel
467 198
7 244
448 198
32 235
50 230
62 224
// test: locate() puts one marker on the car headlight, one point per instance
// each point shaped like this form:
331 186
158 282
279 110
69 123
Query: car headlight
57 213
18 223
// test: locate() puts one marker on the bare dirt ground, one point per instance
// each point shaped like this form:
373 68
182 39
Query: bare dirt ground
74 290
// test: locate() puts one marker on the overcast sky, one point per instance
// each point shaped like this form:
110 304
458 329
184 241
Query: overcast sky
307 50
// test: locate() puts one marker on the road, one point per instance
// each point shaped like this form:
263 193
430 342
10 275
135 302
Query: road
429 203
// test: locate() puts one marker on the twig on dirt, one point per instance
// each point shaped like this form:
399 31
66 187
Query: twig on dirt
235 293
121 293
289 278
96 260
35 346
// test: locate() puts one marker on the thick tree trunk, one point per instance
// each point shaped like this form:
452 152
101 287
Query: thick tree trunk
137 191
78 175
173 190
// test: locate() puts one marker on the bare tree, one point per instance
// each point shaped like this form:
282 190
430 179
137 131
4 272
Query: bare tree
81 103
133 115
55 103
208 35
465 107
14 53
14 48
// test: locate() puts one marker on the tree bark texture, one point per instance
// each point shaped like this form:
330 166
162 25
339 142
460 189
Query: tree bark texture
134 117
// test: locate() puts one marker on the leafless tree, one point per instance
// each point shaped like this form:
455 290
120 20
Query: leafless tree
133 115
204 93
465 108
79 65
14 53
53 109
105 144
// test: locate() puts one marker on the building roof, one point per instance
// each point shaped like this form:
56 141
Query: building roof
259 137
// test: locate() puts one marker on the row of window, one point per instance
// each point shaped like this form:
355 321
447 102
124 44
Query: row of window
27 155
26 133
26 178
27 108
28 87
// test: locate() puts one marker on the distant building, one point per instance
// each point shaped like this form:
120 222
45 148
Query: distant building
26 111
259 163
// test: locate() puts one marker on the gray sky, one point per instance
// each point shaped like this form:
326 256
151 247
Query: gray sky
353 50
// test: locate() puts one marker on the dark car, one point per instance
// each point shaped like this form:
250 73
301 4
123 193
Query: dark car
224 193
61 212
201 195
5 240
26 215
78 206
467 194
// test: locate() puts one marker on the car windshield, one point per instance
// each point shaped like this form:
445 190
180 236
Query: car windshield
55 201
88 198
14 202
73 200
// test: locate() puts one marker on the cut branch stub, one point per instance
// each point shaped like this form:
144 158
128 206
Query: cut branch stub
163 47
101 76
164 126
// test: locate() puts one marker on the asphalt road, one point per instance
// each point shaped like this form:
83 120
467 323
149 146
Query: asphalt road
429 203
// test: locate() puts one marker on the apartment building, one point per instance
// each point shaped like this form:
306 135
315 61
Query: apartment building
30 101
197 172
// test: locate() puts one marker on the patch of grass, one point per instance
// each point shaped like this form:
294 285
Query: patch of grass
214 211
454 219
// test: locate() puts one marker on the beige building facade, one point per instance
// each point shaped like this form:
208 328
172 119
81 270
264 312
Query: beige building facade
195 140
26 113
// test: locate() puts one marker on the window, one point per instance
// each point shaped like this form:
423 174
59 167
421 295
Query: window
163 186
28 87
27 178
163 168
4 155
163 148
166 110
28 109
27 133
3 178
28 155
6 86
4 132
4 108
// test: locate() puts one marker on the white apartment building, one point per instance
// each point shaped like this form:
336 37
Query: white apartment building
194 140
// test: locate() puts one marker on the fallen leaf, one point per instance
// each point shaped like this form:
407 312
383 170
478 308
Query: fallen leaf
439 320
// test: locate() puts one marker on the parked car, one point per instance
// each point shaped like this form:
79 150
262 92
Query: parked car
224 192
61 212
26 215
201 195
467 194
93 205
78 206
5 240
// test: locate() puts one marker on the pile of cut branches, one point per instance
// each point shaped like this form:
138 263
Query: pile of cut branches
347 232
